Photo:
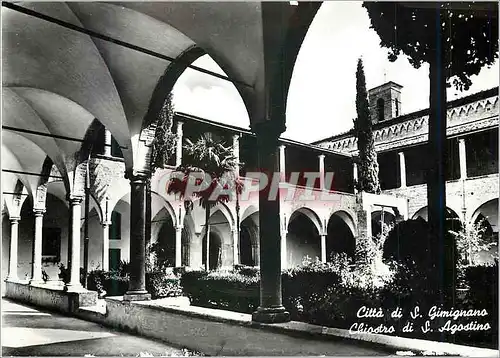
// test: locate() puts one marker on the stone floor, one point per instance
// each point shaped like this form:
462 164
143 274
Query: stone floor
27 331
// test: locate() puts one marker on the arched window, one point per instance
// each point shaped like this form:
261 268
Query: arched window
380 109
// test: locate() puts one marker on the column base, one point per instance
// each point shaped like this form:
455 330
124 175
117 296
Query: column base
136 296
74 288
12 279
36 282
271 315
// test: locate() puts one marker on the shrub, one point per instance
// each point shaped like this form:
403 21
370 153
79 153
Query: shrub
222 289
158 284
163 284
482 282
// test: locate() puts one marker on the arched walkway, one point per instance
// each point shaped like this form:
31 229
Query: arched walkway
249 240
340 237
302 240
487 217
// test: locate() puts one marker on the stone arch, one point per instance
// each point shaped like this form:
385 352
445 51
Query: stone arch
163 234
451 217
489 201
249 240
487 213
340 234
311 214
303 236
252 209
168 207
223 208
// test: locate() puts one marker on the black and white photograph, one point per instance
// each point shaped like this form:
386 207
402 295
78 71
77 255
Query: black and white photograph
249 178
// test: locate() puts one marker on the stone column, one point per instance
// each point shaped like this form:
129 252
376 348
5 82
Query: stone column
178 150
284 262
402 169
323 247
271 309
14 229
105 245
36 268
107 143
321 171
178 246
282 167
137 285
462 153
75 203
235 236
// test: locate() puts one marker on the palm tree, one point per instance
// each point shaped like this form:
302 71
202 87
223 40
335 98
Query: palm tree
207 155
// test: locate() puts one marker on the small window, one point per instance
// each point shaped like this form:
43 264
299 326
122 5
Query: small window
115 229
380 109
396 103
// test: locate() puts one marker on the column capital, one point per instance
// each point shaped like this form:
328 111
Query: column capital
179 228
269 129
106 223
136 176
321 156
14 219
39 211
74 199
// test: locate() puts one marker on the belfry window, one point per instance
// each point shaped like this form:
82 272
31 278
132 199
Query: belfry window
380 109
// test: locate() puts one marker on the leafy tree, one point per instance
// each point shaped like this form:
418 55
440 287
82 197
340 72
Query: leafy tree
207 158
471 239
368 166
456 40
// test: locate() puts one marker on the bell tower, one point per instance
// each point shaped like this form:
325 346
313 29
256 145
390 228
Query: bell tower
385 102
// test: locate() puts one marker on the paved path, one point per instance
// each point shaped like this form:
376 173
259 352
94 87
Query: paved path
27 331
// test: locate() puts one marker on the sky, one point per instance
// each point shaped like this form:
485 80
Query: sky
321 98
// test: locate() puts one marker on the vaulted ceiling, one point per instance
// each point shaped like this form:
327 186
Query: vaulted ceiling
65 64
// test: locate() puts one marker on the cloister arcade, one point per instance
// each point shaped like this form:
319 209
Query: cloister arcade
83 85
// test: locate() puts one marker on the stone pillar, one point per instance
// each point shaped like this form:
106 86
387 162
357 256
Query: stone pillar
14 229
137 285
323 247
105 245
75 203
271 309
282 167
178 150
462 154
402 169
236 256
321 171
36 268
284 261
107 143
178 246
355 175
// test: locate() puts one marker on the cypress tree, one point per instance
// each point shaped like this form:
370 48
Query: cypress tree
368 167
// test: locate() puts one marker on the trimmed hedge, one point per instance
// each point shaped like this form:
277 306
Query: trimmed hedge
222 289
158 284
